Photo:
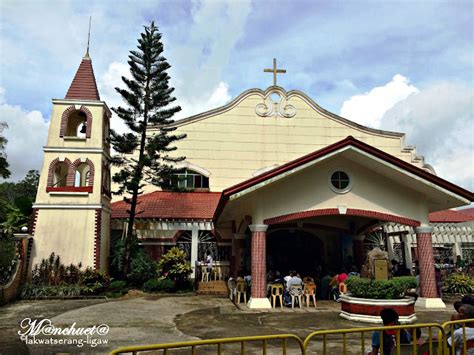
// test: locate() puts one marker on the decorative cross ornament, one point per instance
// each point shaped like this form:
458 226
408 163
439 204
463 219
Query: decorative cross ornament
275 71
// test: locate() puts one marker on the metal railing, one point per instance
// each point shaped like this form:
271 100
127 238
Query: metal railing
450 328
341 340
335 341
279 342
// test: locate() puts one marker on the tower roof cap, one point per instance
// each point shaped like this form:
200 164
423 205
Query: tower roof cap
84 86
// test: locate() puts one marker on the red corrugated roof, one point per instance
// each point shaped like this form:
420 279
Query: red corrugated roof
449 216
83 86
172 205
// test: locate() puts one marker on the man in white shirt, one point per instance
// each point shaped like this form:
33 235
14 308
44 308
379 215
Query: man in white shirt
294 281
466 311
209 262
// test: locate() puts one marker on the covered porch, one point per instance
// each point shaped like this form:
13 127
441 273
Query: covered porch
337 194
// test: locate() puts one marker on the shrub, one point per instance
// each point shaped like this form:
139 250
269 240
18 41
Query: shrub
159 285
459 284
173 265
93 281
52 278
32 291
380 289
117 286
142 268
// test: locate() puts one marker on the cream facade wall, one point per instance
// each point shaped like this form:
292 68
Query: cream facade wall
309 189
67 233
234 143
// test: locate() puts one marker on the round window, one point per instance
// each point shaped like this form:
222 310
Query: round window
340 182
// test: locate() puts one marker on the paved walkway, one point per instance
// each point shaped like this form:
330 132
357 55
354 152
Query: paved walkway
155 319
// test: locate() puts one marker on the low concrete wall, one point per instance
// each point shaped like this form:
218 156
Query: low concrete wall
368 310
10 291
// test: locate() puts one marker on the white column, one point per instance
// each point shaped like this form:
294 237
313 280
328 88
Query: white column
457 250
194 250
391 254
407 246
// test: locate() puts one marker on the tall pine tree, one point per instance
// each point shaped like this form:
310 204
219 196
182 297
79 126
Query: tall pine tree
144 156
4 172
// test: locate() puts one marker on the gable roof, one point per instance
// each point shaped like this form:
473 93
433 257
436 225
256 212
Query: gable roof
171 205
84 86
349 141
450 216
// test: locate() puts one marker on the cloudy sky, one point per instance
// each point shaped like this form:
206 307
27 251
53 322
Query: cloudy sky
398 65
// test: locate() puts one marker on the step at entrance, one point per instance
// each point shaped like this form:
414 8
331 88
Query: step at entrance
213 288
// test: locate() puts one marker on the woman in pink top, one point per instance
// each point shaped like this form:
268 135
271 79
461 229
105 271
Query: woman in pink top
342 277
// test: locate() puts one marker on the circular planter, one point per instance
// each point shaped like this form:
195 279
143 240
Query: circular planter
368 310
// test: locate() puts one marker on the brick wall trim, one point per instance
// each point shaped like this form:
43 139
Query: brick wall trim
68 112
335 212
97 237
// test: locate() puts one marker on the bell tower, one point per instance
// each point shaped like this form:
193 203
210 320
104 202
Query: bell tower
72 207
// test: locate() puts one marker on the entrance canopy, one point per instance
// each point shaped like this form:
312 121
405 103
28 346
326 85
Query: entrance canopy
348 178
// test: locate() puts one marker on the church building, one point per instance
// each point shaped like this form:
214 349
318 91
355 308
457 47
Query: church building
271 181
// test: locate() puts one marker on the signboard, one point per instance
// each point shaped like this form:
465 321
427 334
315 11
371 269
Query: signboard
381 269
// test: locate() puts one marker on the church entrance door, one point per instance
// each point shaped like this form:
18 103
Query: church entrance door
294 250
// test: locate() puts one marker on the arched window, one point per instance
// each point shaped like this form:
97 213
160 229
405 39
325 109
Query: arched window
106 180
60 174
188 180
77 124
82 176
207 242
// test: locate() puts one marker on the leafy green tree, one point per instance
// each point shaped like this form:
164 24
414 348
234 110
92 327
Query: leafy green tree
144 156
16 202
4 172
174 266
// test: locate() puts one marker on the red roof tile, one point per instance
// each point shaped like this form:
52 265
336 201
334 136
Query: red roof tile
83 86
449 216
468 211
172 205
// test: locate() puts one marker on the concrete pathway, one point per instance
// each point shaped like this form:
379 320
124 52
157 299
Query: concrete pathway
156 319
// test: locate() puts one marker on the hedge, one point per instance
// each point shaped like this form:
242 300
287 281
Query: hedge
380 289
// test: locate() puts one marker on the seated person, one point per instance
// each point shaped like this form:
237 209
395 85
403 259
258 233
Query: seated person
342 277
389 317
468 299
455 316
466 311
334 288
294 280
324 286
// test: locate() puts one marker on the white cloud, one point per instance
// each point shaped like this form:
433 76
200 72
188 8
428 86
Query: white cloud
26 133
200 58
218 97
107 84
439 120
369 108
197 59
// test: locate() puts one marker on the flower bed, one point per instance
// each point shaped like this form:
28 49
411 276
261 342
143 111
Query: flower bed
368 310
367 298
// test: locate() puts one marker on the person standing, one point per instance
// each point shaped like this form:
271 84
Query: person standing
209 262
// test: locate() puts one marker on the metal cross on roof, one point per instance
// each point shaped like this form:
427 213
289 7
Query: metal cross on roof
275 71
